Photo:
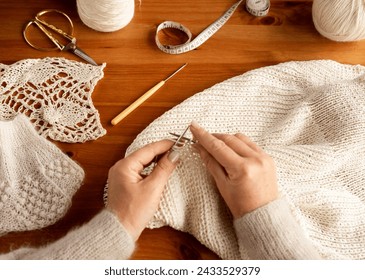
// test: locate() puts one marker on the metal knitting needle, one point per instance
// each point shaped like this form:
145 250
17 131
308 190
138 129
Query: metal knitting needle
143 98
182 138
174 146
177 142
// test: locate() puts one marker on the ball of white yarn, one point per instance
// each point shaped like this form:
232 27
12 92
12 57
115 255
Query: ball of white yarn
340 20
106 15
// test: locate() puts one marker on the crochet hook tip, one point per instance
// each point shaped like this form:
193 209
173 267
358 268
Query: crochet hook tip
176 71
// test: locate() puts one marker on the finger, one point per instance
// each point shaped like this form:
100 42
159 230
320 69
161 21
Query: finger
163 170
214 168
146 154
216 147
249 142
236 144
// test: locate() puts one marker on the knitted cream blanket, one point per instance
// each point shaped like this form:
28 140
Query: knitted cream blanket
55 93
37 180
310 117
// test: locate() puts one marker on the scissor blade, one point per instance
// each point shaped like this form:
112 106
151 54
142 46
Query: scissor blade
80 53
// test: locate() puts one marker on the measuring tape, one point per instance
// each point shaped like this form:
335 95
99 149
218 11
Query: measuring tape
254 7
258 8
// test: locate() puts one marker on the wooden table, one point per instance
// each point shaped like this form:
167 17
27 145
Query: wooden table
134 64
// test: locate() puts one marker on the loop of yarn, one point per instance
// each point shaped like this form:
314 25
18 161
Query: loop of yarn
340 20
106 15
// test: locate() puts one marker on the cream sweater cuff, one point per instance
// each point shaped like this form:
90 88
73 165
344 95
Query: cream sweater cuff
271 232
103 237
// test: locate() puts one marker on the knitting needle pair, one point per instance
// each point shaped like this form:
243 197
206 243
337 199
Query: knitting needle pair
180 141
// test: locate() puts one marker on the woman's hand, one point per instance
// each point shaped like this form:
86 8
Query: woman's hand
245 175
133 198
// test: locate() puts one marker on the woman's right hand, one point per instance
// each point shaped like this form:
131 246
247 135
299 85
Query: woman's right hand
245 175
133 197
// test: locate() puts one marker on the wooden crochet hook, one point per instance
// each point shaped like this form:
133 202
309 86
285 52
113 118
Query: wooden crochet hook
143 98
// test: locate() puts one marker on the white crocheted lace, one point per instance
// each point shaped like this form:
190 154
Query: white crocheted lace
37 180
310 117
55 93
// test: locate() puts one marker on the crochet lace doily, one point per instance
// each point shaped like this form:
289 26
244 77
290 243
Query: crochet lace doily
310 117
55 93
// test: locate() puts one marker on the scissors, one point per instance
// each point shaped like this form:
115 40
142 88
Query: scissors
47 29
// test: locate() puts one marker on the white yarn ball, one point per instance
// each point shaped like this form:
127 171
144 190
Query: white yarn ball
105 15
340 20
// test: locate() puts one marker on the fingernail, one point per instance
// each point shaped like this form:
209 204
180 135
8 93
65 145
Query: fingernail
195 125
173 156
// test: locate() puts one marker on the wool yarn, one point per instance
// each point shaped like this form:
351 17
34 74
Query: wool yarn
310 117
37 180
106 15
55 93
340 20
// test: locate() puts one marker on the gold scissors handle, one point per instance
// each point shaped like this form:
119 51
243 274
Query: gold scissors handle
47 29
43 25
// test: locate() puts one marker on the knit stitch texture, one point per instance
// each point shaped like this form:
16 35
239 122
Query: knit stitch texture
55 93
310 117
37 180
103 237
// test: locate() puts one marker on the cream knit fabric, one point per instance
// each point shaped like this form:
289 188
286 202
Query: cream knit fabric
37 181
55 93
310 117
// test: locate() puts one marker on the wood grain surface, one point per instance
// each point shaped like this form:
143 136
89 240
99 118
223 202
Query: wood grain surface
135 64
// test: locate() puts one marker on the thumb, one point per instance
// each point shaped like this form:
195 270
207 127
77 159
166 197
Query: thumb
164 168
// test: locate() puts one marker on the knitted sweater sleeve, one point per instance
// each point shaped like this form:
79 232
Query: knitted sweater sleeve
271 232
103 237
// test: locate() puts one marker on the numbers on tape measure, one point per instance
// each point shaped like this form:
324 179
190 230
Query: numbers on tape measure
254 7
